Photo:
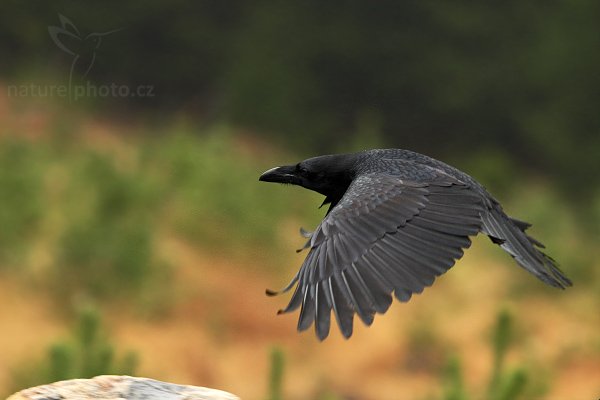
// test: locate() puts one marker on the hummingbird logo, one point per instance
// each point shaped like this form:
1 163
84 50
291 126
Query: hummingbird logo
83 48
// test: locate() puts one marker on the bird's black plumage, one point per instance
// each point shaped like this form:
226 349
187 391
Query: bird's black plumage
396 220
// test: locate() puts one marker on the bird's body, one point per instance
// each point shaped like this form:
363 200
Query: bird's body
396 220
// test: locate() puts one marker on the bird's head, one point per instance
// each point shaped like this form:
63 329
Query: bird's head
329 175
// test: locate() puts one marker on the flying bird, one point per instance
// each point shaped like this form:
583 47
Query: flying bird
396 220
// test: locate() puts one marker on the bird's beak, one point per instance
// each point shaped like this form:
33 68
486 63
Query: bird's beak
285 174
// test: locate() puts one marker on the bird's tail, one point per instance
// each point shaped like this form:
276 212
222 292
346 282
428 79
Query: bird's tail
510 234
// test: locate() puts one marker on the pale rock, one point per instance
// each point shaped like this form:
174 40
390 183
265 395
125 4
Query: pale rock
114 387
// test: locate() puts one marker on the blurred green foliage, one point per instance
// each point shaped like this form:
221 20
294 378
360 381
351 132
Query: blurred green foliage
453 381
21 203
206 182
276 375
504 384
102 214
446 79
107 247
87 353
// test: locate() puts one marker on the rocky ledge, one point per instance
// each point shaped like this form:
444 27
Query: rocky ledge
114 387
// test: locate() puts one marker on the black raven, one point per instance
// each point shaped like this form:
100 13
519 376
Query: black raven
396 220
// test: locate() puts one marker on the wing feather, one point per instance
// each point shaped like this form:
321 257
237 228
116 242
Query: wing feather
342 306
384 236
355 301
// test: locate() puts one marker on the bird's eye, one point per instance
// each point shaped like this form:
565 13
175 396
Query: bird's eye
301 170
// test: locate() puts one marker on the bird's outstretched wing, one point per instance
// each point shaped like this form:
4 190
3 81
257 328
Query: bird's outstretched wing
385 235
